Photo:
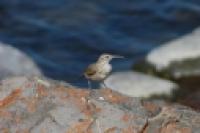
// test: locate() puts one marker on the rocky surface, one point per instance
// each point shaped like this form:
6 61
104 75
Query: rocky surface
139 85
39 105
16 63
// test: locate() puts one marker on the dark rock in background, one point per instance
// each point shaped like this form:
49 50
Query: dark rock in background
178 60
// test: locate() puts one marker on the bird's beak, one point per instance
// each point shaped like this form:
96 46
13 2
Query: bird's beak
117 56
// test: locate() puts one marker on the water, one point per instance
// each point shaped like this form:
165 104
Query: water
64 36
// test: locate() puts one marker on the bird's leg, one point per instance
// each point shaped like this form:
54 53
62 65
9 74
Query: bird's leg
89 84
104 85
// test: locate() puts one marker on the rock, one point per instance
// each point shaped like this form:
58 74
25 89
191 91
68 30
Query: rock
178 60
180 57
16 63
136 84
192 100
40 105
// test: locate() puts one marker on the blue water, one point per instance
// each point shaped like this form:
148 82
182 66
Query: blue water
64 36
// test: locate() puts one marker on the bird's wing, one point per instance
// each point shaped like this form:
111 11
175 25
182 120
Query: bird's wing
91 70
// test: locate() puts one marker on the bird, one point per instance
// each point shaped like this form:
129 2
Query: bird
100 70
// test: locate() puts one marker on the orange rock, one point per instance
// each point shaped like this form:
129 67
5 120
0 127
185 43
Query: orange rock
126 117
129 129
5 114
31 104
78 93
173 128
151 107
23 131
41 91
43 130
80 98
113 97
10 98
4 130
111 130
86 106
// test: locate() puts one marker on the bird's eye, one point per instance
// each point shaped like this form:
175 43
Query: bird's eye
107 56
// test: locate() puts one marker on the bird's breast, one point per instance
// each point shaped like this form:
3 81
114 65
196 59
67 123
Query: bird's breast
106 68
99 72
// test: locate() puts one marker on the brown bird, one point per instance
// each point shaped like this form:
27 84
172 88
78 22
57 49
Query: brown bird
99 70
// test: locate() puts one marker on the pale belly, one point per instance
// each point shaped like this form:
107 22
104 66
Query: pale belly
102 73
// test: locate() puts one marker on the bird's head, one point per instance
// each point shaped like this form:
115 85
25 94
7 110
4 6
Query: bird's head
108 57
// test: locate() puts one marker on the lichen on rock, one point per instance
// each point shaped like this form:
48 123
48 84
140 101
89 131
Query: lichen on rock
31 106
